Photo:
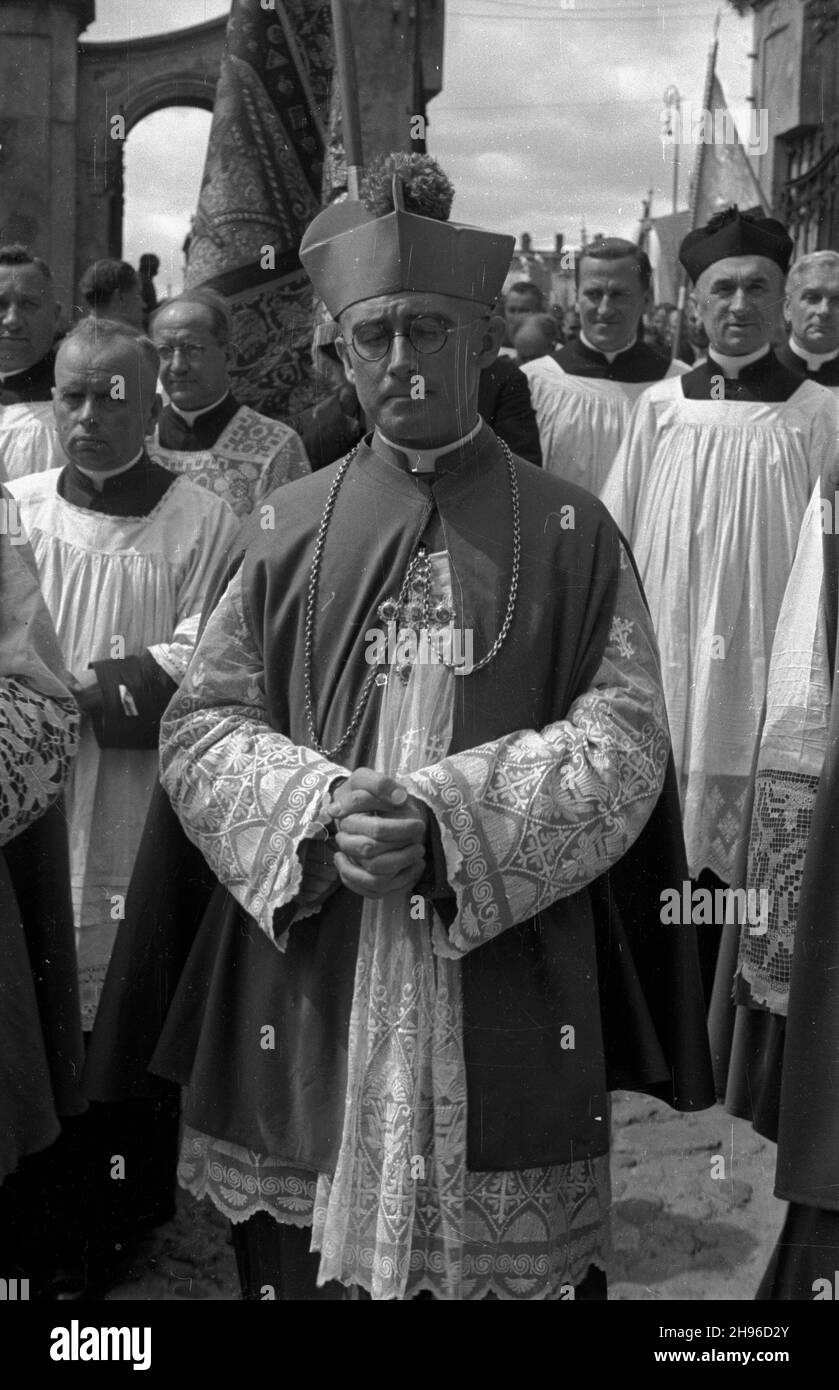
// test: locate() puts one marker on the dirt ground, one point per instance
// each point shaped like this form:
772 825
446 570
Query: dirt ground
693 1216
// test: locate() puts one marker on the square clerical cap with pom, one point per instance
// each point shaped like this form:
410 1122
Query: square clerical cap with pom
731 232
350 254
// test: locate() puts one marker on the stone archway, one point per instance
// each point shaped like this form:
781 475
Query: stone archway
119 85
61 163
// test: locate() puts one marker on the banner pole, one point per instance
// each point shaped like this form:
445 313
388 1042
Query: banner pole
348 83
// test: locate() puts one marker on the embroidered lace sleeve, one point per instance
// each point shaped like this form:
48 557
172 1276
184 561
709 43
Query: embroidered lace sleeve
246 796
28 645
38 737
39 719
538 815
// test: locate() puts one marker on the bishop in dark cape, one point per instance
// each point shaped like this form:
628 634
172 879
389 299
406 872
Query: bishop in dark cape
422 746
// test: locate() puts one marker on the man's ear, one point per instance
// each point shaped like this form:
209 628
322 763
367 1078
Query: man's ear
489 340
346 360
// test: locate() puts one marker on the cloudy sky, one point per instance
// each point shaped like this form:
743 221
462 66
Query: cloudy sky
549 114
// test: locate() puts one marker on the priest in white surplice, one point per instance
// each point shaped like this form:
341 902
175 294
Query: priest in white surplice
584 392
28 324
125 551
203 431
812 312
710 486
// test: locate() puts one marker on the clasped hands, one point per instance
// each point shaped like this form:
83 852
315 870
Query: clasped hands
378 841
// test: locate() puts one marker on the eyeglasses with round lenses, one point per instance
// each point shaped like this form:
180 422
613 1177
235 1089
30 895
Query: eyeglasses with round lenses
426 334
193 352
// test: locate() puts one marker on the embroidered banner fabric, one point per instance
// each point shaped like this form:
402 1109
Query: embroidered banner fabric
261 188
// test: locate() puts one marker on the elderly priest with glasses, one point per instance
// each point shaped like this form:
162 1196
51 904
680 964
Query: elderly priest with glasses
203 431
423 746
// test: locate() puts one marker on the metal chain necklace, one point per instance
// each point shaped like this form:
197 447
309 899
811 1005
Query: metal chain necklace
397 605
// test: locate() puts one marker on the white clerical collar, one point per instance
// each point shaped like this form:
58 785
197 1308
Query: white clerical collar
610 356
425 460
98 478
192 415
733 366
814 360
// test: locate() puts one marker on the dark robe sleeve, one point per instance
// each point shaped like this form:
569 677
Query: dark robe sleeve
328 430
434 883
504 402
150 688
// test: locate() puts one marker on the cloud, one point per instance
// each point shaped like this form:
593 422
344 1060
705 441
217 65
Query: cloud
543 124
540 124
162 194
121 19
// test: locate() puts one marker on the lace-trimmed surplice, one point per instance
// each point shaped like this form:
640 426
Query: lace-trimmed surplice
139 581
252 456
581 419
39 719
711 495
792 751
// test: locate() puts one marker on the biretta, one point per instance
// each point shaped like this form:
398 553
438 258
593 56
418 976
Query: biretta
734 233
350 254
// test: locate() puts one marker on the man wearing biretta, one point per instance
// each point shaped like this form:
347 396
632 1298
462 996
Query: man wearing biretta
429 718
710 486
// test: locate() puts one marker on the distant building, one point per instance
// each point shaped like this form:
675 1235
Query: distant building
662 237
795 62
552 270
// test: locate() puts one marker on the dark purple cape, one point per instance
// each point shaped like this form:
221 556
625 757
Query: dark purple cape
600 960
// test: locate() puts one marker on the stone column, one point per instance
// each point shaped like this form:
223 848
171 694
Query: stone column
38 98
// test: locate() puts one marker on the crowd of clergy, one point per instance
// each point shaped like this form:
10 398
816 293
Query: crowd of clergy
217 817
